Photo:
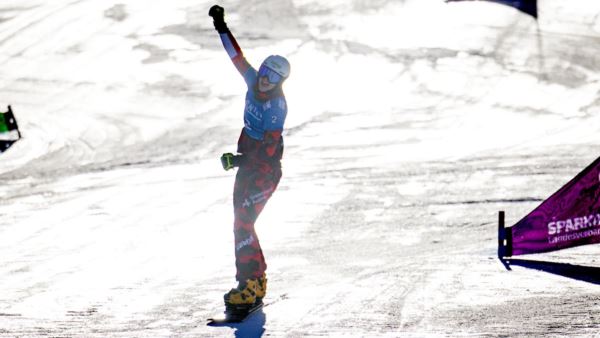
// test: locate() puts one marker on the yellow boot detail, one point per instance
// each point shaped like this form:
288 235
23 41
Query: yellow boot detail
261 287
246 295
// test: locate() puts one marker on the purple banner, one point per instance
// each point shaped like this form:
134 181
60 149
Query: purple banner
570 217
525 6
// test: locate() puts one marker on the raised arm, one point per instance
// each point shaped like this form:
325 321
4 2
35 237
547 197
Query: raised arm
231 46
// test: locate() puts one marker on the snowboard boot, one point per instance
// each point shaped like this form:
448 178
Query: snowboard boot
244 296
261 288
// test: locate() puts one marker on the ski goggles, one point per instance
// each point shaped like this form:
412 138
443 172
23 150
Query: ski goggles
271 75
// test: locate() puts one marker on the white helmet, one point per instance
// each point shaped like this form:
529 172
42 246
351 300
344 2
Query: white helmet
278 64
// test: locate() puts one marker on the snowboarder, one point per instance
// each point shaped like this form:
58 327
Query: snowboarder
260 149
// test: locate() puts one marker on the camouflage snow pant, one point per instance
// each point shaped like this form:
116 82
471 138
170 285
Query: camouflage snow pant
253 188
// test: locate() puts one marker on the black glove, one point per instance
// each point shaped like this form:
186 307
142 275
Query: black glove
230 161
218 14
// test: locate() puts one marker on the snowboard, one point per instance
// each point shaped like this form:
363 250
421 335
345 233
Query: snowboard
235 314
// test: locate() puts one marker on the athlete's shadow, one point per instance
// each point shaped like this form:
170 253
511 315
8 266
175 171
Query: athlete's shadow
588 274
253 327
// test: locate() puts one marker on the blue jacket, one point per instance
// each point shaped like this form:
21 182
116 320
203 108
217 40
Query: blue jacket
264 113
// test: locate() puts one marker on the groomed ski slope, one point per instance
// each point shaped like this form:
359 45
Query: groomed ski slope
411 124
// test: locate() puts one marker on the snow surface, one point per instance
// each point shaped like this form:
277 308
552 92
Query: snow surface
411 124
